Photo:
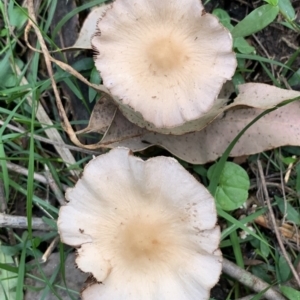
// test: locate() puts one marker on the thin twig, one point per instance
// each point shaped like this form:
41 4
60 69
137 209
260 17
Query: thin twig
249 280
274 184
64 66
2 197
36 176
282 182
48 141
41 114
51 132
21 222
3 210
50 249
54 187
66 124
273 220
289 43
289 170
264 50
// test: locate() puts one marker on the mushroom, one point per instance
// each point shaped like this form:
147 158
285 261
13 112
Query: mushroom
144 229
164 61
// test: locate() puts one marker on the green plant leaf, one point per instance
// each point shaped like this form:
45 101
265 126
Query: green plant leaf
232 190
17 17
201 170
94 78
290 293
264 249
239 43
261 272
242 46
8 280
223 17
283 269
292 214
295 78
272 2
256 20
287 9
259 295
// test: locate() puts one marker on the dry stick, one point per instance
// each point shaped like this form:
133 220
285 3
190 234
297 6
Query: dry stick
48 141
50 249
36 176
52 133
2 197
3 209
54 187
273 220
72 71
47 179
249 280
21 222
289 43
24 171
64 66
264 50
275 184
66 124
289 170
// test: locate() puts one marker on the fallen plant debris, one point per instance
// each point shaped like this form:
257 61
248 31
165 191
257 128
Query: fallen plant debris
290 232
210 143
29 160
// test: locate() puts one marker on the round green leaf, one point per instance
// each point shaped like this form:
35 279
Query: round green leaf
232 190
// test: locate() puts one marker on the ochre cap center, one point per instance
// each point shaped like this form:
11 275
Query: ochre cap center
165 54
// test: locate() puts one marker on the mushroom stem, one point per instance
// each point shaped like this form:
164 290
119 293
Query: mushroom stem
249 280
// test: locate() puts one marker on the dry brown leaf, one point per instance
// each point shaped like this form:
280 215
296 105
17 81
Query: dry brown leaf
278 128
102 116
121 129
290 232
260 95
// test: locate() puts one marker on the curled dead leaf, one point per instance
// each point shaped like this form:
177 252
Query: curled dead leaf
278 128
101 117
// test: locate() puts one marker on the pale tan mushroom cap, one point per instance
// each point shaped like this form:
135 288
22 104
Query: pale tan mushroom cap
165 59
146 230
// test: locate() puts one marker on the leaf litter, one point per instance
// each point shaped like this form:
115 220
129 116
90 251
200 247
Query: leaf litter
278 128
